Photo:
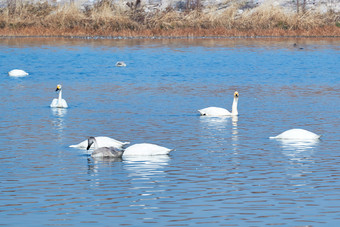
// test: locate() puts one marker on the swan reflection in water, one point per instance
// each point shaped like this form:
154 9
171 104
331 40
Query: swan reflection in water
58 120
145 166
222 132
59 112
234 133
298 150
214 122
137 166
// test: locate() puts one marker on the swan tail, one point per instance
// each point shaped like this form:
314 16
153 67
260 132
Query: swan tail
170 151
124 144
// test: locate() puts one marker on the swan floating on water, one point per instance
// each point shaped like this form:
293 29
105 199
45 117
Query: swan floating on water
103 152
120 64
217 111
17 73
297 134
146 149
102 141
59 102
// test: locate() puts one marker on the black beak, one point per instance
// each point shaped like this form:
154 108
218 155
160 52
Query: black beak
57 89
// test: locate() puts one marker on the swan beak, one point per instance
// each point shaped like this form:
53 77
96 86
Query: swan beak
88 146
58 87
236 94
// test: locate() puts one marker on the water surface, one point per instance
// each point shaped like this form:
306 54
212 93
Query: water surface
224 171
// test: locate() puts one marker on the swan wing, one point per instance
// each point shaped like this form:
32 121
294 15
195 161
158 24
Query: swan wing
54 103
63 103
214 111
146 149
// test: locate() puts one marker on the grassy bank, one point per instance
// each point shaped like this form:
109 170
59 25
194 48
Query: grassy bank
107 19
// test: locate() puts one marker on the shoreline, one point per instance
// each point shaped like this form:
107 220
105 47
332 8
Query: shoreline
178 34
166 37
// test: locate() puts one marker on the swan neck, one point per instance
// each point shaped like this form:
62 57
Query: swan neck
234 107
59 98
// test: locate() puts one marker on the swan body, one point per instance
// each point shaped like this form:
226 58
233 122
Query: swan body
59 102
297 134
103 152
107 152
120 64
102 141
214 111
146 149
218 111
17 73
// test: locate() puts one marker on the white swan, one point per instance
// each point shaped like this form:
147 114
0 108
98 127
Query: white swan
120 64
297 134
102 141
103 152
17 73
146 149
59 102
217 111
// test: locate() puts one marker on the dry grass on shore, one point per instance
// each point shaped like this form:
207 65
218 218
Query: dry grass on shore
108 19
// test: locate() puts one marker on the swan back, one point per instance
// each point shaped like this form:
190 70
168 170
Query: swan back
17 73
146 149
102 141
297 134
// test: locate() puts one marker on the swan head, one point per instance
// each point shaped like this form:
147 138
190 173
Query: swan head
58 87
90 141
236 94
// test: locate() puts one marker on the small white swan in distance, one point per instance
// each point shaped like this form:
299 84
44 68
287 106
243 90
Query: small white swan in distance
59 102
17 73
218 111
146 149
102 141
120 64
103 152
297 134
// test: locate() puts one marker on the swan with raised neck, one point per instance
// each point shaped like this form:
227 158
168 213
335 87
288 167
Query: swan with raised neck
218 111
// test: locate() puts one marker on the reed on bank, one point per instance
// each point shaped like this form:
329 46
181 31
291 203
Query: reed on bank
105 18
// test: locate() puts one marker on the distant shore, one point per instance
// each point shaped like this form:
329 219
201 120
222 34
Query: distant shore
106 19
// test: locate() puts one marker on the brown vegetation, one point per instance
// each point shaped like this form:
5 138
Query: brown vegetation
107 19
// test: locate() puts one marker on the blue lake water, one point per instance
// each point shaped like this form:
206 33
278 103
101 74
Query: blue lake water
224 171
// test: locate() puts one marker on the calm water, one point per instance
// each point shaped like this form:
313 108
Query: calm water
224 171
